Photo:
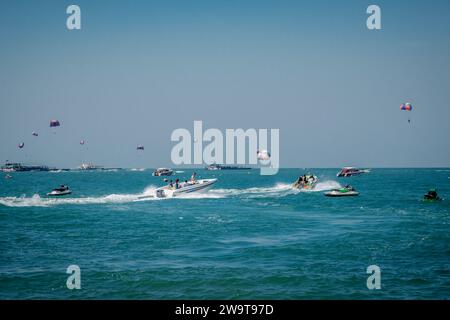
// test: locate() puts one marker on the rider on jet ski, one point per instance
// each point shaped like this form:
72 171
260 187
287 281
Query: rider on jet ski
431 195
305 180
62 188
349 188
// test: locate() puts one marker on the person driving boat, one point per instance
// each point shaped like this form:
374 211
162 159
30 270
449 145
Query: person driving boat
193 177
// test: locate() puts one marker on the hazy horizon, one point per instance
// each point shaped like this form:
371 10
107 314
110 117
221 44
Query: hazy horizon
137 71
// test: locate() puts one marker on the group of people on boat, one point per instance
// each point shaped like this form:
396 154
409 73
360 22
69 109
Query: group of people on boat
305 180
178 184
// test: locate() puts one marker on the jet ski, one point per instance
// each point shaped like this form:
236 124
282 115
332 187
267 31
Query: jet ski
347 191
184 188
432 196
61 191
306 182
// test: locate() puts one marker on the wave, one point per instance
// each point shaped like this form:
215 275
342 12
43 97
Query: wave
279 190
37 201
325 186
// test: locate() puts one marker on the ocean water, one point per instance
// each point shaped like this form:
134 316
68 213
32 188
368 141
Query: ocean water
251 237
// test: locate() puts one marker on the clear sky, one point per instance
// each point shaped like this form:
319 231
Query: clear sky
137 70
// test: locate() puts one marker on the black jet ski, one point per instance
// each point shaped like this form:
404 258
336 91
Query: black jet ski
432 196
61 191
347 191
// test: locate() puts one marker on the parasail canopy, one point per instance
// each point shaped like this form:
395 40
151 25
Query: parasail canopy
140 147
21 145
54 123
263 155
35 134
406 107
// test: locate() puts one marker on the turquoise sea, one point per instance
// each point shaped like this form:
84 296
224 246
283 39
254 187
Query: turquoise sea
251 237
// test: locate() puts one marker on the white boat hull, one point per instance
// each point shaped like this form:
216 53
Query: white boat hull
200 186
58 193
336 194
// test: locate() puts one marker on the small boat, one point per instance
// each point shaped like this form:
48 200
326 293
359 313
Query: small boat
162 172
347 191
351 171
306 182
61 191
186 187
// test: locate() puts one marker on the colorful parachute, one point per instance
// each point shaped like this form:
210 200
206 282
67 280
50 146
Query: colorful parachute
35 134
406 107
140 147
21 145
54 123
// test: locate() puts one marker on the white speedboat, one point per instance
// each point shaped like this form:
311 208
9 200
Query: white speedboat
351 171
61 191
162 172
198 186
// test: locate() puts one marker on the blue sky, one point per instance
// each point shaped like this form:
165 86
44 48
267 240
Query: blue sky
140 69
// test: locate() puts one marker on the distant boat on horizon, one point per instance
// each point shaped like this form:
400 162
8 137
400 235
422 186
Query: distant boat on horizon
89 166
18 167
213 167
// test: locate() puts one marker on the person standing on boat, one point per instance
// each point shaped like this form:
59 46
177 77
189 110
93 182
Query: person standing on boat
177 184
194 175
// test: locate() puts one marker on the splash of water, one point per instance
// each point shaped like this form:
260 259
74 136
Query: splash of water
279 190
324 186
